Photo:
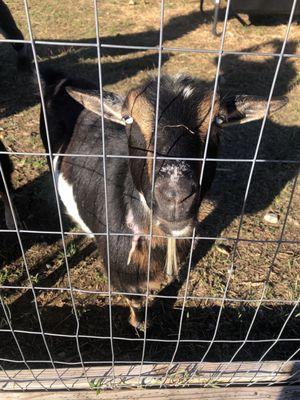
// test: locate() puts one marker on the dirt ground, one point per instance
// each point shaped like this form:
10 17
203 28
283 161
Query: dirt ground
220 213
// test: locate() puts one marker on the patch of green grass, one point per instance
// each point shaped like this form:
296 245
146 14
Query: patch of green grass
71 250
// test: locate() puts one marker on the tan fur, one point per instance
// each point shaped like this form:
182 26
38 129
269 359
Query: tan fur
143 114
204 109
141 111
140 257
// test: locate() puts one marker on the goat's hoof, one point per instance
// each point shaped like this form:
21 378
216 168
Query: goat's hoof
138 321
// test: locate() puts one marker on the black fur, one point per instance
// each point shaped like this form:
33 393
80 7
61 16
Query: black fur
76 130
7 167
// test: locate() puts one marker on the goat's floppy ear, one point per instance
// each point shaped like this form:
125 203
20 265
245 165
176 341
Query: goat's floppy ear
242 109
90 99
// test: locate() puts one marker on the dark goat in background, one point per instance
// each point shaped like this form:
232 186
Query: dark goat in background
73 111
7 169
9 30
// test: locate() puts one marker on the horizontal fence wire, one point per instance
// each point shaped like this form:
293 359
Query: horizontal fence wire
231 160
152 296
154 48
138 339
142 234
160 49
117 362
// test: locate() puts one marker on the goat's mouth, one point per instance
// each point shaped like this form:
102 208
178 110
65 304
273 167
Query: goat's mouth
182 228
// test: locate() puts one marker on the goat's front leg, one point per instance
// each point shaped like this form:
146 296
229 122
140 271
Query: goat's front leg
9 220
137 312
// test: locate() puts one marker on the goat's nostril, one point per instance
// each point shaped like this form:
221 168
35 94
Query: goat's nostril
189 196
170 195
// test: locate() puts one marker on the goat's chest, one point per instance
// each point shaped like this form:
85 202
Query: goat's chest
69 185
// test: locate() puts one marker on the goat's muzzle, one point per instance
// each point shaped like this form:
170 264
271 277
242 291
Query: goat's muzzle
175 205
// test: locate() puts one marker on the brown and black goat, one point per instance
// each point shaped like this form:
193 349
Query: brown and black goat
73 111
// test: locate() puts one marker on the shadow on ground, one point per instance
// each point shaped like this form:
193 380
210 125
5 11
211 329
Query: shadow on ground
198 325
279 143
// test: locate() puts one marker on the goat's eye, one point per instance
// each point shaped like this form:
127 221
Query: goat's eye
127 119
219 120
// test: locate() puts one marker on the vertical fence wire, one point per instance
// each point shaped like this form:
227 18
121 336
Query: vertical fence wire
28 272
43 107
205 156
231 269
150 236
264 289
160 50
105 187
247 192
182 310
270 269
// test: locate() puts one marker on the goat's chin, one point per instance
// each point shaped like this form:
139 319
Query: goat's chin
183 232
176 229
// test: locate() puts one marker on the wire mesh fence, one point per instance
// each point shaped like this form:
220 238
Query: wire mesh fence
25 372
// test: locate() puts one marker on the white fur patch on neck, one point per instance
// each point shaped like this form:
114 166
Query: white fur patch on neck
136 231
143 201
65 190
131 223
182 232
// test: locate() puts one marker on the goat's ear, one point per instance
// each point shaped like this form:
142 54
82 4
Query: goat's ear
242 109
90 99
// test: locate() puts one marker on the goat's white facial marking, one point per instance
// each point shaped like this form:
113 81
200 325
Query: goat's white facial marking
187 91
182 232
175 171
65 190
143 201
127 119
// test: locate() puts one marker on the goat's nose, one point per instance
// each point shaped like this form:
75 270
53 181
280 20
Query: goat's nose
170 193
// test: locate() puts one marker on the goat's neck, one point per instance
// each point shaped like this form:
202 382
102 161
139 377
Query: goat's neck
138 221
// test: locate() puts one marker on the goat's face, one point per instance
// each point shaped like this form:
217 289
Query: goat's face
182 126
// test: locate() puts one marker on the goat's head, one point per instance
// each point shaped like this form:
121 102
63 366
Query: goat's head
182 126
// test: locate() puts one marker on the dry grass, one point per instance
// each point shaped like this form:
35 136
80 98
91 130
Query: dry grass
219 215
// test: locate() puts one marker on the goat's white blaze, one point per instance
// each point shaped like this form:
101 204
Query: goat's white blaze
188 91
143 201
65 190
175 171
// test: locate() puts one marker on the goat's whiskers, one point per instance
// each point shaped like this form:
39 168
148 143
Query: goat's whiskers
179 126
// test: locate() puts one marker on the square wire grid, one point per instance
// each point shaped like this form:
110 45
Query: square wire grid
160 49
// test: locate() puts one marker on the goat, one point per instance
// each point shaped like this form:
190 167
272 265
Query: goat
74 119
10 30
7 169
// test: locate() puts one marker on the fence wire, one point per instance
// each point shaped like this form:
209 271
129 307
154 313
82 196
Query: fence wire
70 289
